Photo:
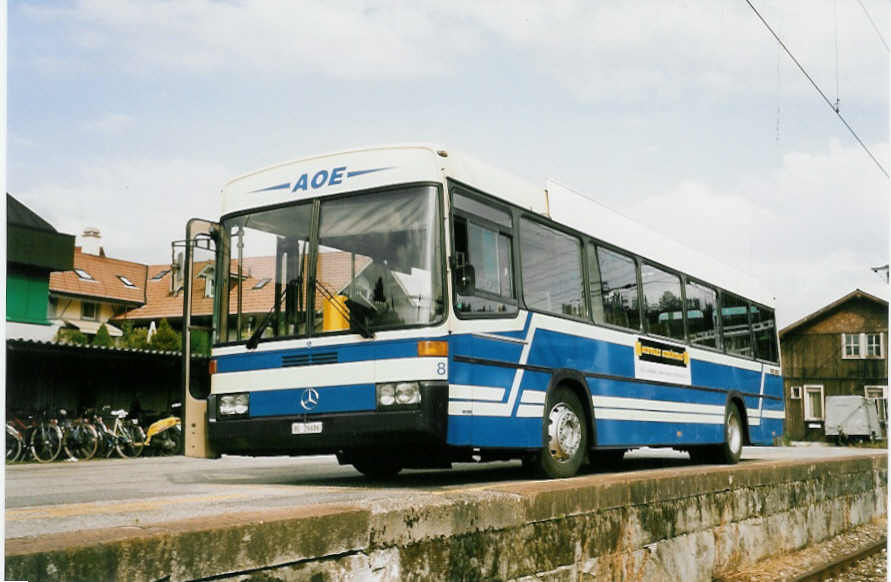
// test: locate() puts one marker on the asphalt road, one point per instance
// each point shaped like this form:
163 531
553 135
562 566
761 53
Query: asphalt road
68 497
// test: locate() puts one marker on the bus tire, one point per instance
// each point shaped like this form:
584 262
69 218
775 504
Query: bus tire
564 435
729 452
377 469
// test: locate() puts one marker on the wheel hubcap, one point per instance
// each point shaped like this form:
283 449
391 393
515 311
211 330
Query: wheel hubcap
564 432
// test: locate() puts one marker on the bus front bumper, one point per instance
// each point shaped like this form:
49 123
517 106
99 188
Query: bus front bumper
274 435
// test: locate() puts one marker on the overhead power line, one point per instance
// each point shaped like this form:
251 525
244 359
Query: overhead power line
876 28
820 91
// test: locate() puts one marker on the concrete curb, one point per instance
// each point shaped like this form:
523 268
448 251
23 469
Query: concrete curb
597 524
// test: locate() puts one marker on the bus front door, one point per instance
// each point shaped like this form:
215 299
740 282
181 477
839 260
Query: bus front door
194 265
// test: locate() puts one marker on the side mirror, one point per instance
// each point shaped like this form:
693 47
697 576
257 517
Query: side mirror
465 279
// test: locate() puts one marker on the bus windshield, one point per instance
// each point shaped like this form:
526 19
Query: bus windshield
375 258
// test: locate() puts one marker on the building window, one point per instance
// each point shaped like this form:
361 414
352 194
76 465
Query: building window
863 345
208 287
83 275
874 345
126 281
878 394
813 402
89 310
795 392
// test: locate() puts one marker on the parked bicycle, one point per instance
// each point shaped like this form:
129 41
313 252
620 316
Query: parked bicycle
107 439
129 436
46 439
80 439
15 444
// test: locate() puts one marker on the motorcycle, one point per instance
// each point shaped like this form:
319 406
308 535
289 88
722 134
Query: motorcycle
165 436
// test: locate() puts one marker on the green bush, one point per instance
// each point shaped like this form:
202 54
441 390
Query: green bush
67 335
137 339
165 338
103 338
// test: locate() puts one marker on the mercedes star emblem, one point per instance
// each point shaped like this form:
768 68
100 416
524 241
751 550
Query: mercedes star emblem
309 399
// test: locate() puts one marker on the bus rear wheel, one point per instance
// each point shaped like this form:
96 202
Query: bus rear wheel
565 435
728 452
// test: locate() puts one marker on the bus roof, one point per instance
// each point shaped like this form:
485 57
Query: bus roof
370 167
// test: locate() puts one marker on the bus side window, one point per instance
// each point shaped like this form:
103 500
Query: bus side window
618 290
594 284
483 241
702 315
735 325
663 304
552 270
764 326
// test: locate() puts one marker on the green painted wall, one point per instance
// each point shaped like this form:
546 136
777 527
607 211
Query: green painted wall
27 297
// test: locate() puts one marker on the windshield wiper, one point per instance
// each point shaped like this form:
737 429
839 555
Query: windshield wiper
346 311
254 340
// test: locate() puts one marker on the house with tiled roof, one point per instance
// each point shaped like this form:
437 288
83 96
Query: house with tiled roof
164 299
96 290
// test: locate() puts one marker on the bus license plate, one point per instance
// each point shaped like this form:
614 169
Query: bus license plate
306 427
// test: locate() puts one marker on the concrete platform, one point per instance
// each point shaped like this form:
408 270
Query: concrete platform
237 518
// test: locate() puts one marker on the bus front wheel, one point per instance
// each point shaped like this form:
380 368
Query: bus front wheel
377 468
565 435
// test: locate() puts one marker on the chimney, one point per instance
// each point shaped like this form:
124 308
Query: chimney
91 241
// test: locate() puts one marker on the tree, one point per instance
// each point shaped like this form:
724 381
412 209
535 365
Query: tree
200 342
138 339
103 338
165 338
71 336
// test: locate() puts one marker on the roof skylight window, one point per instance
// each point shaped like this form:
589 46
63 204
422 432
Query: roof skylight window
160 275
83 275
126 281
262 283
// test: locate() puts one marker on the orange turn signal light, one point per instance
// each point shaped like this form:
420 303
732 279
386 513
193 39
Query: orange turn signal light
430 348
212 367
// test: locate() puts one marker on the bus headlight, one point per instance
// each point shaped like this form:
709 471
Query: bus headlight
408 393
398 395
234 404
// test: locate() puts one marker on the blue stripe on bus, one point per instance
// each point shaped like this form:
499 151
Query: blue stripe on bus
560 350
345 353
637 433
331 399
482 375
724 377
494 432
618 388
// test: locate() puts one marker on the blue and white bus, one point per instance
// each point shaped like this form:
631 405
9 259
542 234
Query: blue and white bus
411 307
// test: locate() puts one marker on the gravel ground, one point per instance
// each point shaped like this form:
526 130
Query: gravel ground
789 566
871 569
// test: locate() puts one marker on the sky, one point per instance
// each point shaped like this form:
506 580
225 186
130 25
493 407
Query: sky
685 115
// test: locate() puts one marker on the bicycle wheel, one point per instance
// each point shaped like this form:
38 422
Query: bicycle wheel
82 442
14 445
130 440
46 443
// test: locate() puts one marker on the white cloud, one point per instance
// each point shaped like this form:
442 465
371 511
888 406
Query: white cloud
597 50
109 123
139 205
811 231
